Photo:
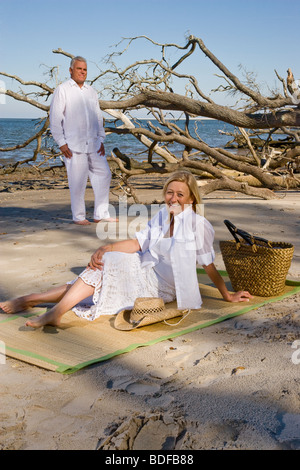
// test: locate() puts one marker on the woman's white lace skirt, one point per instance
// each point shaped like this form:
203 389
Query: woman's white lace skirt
121 282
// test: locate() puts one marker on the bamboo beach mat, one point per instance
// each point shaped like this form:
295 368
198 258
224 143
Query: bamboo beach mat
78 343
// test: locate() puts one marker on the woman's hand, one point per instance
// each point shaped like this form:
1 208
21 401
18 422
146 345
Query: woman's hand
124 246
240 296
96 259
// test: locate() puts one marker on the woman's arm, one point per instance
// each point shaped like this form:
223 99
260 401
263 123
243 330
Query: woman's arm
124 246
241 296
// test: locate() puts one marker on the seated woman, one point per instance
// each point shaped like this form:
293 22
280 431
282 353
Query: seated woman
159 262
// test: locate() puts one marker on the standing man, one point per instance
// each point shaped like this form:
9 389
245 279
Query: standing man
76 124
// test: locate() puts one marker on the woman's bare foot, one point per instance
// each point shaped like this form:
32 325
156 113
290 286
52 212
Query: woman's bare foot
48 318
17 305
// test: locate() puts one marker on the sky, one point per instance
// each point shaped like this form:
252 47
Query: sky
259 35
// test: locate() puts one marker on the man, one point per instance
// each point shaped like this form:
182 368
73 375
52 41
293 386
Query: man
77 127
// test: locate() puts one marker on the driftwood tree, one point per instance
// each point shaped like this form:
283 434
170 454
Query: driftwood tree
151 84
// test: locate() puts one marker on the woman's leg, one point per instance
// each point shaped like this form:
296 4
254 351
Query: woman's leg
77 292
31 300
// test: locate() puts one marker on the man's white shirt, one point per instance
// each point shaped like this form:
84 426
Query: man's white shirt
76 118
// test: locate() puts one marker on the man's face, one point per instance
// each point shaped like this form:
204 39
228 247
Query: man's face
79 72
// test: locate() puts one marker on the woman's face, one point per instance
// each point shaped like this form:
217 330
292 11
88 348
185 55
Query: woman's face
177 196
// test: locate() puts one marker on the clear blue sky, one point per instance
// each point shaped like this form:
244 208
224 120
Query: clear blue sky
262 35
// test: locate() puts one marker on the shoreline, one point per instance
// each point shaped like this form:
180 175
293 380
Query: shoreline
229 386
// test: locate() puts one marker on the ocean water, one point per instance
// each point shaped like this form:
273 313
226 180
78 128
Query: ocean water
16 131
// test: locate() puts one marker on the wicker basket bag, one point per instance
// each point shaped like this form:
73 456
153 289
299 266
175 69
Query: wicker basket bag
255 264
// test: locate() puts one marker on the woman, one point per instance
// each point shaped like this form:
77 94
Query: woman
159 262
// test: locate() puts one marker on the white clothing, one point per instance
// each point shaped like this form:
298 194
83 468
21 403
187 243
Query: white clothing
76 120
166 267
192 243
79 168
120 283
163 269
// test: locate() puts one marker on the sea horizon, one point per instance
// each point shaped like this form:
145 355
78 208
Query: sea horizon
14 131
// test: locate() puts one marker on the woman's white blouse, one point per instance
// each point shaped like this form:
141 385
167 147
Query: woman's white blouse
163 268
191 244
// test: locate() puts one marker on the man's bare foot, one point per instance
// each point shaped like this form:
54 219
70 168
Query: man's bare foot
109 219
48 318
16 305
82 222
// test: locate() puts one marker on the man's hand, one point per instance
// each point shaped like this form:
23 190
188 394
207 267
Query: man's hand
101 150
66 151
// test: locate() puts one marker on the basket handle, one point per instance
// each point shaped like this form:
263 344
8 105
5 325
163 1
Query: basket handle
232 229
250 239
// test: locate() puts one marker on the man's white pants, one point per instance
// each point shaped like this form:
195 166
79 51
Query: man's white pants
80 167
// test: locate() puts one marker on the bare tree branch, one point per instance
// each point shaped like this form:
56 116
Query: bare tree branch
151 85
28 141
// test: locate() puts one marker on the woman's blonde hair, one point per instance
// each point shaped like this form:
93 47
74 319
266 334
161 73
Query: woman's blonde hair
186 177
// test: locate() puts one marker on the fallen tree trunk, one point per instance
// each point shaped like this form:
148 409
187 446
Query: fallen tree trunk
224 182
223 158
219 179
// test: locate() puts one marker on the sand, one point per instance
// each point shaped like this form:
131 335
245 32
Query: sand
234 385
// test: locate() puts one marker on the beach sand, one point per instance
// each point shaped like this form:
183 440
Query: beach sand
233 385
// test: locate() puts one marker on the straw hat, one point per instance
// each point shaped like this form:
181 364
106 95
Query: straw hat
146 310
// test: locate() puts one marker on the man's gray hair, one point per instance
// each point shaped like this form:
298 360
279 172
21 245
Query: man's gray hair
79 58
